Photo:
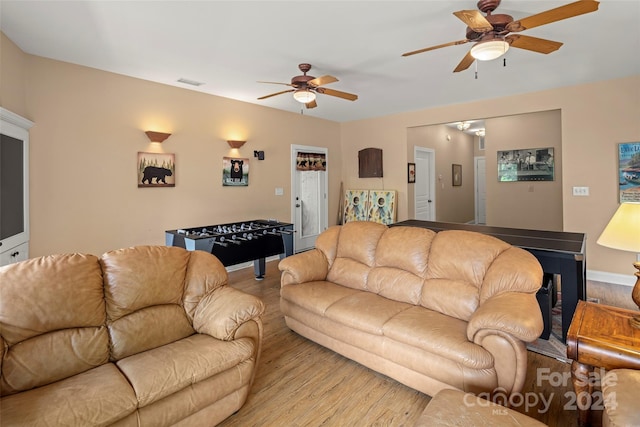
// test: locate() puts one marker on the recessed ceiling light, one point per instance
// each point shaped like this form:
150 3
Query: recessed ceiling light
190 82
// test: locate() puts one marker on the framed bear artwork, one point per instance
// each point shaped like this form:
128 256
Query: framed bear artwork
235 171
156 170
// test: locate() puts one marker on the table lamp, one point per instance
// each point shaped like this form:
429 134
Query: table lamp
623 233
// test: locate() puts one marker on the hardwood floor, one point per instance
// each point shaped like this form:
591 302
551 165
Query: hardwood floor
299 383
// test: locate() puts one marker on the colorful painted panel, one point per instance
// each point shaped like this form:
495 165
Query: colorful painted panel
355 205
382 206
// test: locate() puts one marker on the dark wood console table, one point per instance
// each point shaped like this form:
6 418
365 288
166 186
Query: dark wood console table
558 252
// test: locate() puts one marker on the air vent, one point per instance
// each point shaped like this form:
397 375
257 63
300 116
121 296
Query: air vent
190 82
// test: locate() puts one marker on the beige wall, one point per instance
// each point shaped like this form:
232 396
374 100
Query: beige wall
12 73
595 118
90 124
89 127
451 146
524 204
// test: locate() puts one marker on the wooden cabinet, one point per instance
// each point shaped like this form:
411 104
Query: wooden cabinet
370 163
14 187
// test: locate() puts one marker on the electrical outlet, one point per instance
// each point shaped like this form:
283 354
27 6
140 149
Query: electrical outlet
580 191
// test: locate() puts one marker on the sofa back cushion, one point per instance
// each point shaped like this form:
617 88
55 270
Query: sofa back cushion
401 263
144 289
458 265
52 320
355 253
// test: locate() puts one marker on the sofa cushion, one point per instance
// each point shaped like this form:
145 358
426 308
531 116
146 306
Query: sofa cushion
74 401
161 371
395 284
62 333
438 334
355 254
365 311
147 283
405 248
316 297
462 258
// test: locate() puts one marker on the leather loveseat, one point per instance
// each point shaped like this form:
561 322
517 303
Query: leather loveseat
143 336
432 310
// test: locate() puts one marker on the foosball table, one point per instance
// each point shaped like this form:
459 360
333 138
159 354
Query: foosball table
237 242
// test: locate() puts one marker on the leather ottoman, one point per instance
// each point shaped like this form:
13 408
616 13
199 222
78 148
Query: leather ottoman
456 408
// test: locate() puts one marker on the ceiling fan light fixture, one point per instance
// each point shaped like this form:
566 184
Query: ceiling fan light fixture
463 126
489 50
304 96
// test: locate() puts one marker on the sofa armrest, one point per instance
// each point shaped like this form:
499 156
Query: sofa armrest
221 312
515 313
304 267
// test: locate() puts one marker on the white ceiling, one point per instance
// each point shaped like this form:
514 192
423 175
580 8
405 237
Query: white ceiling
230 45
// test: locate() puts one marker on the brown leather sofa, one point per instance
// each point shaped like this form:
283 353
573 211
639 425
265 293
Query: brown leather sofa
432 310
143 336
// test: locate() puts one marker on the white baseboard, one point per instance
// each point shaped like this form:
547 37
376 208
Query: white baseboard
617 279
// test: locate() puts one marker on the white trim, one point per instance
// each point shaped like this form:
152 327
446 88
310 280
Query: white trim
295 148
431 157
614 278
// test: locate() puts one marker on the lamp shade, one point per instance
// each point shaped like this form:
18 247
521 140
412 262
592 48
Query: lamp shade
304 96
623 230
492 49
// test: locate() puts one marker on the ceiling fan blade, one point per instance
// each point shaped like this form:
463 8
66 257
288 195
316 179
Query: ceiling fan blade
322 80
465 63
533 43
343 95
276 83
559 13
311 104
426 49
474 20
277 93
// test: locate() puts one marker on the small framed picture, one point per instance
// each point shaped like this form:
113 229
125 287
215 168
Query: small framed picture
235 171
456 175
156 170
411 173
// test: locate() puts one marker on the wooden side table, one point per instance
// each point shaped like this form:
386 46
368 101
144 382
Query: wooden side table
600 336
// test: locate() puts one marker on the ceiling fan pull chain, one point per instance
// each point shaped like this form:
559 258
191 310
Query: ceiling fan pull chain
504 62
476 70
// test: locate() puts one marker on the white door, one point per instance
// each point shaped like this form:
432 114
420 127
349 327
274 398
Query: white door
309 201
481 190
424 189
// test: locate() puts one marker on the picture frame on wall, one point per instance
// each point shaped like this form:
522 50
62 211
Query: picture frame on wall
411 173
235 172
456 175
156 170
629 172
529 164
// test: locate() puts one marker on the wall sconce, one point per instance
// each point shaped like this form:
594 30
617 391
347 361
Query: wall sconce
259 155
157 136
235 144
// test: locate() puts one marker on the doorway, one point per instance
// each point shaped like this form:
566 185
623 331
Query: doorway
425 190
309 205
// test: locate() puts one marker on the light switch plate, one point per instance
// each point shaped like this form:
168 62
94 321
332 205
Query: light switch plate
580 191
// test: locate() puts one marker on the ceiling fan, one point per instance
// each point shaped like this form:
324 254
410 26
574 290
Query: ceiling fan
491 36
305 88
